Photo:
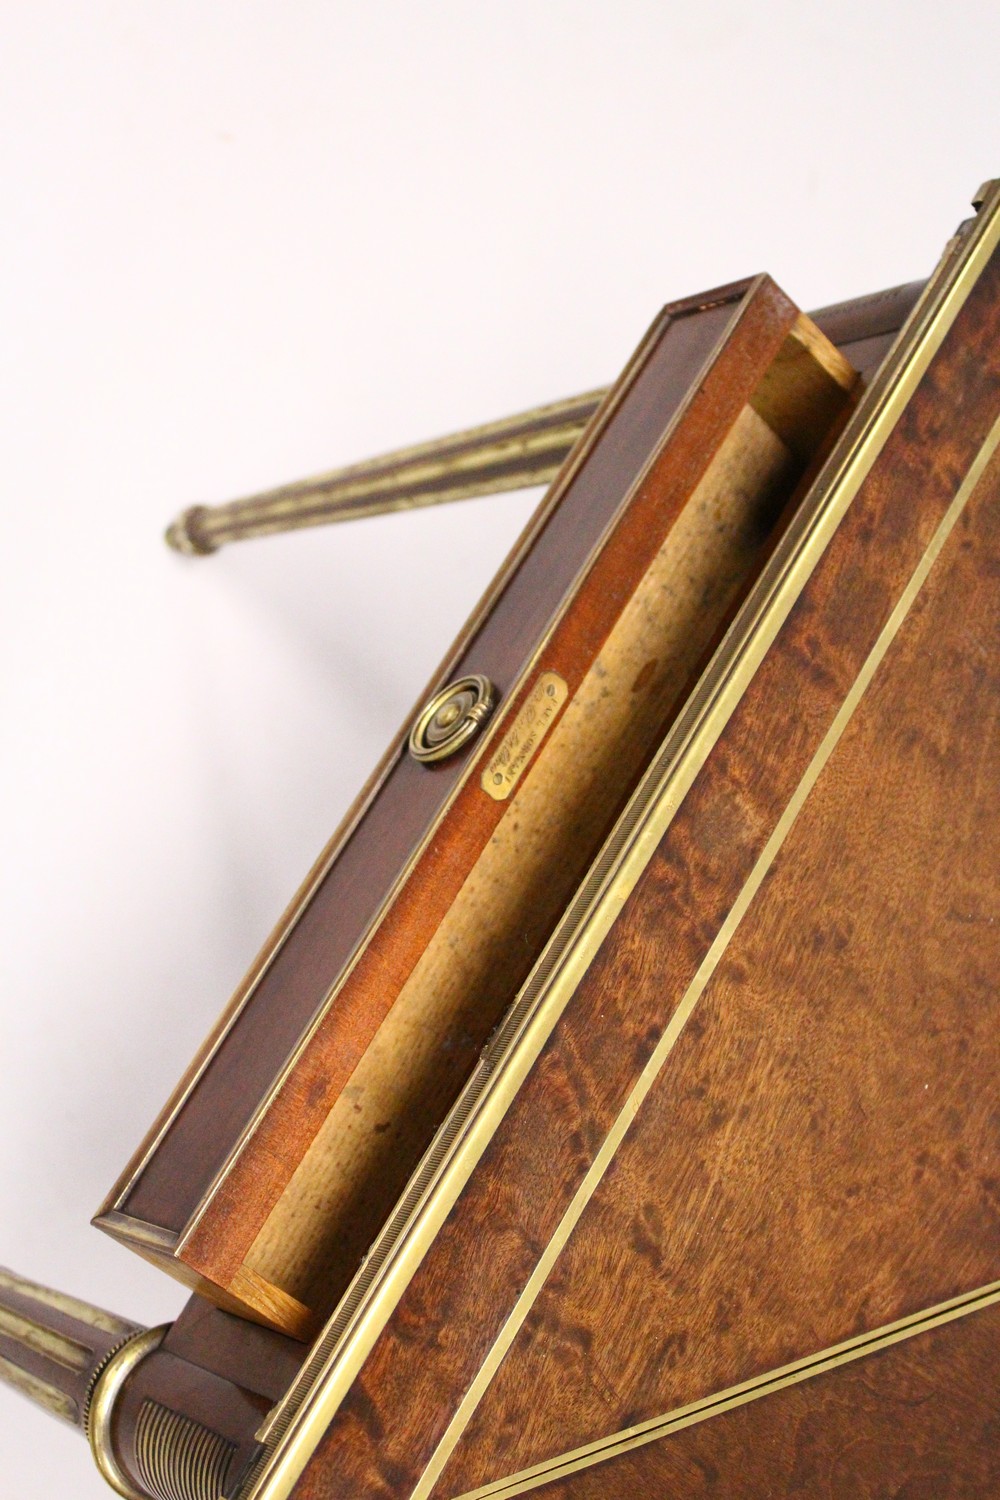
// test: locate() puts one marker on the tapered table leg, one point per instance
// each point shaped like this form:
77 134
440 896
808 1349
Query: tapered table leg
54 1347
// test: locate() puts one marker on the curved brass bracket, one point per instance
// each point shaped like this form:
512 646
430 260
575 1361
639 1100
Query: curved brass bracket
107 1388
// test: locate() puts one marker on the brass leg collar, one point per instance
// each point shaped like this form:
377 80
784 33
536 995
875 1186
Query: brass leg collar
100 1411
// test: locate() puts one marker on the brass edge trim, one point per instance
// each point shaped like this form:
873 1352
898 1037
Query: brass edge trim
70 1307
685 1008
39 1391
738 296
102 1404
244 993
127 1229
98 1371
614 1444
296 1425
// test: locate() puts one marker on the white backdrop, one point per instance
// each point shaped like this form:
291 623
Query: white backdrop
246 241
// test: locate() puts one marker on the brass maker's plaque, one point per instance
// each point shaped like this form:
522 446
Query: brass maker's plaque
538 713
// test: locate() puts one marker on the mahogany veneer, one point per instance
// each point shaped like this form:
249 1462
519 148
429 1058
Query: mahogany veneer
646 544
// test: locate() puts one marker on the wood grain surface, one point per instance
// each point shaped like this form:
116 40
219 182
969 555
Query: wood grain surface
819 1156
389 1425
918 1421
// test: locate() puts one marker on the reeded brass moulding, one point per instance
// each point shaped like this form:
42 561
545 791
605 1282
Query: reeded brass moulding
453 717
297 1423
100 1412
179 1457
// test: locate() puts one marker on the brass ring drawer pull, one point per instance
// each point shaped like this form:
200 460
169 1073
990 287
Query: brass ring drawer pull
452 717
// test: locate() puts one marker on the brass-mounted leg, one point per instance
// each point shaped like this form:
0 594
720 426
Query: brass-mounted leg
53 1348
138 1407
511 454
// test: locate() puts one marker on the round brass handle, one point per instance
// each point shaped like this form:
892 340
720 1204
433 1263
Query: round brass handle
451 718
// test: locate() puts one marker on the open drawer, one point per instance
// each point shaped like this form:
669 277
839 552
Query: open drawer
276 1163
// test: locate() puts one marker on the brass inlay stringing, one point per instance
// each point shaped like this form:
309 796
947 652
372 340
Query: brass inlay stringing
39 1391
535 718
453 717
616 1443
296 1425
57 1347
71 1307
